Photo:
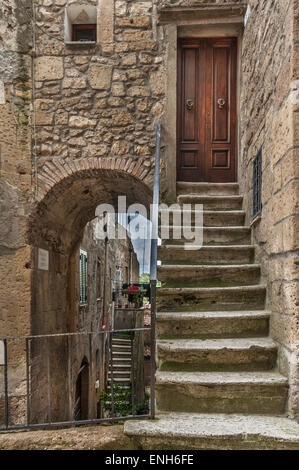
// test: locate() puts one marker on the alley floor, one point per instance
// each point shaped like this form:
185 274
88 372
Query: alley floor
101 437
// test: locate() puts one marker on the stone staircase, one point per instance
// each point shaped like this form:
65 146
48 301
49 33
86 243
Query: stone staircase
217 386
121 357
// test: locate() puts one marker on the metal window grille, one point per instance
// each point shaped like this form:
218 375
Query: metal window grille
257 185
83 277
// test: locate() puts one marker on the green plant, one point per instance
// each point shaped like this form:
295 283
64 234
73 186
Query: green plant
121 397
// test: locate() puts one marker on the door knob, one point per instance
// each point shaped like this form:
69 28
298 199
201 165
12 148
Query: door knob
221 103
189 105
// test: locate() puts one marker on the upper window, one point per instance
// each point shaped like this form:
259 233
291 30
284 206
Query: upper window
83 277
80 23
84 32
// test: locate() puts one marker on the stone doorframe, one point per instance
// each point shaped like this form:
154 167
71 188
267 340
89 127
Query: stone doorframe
215 21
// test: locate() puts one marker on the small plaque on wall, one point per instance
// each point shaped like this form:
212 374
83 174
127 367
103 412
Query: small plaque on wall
1 353
43 259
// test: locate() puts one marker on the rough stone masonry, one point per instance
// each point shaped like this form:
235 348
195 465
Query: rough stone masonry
78 127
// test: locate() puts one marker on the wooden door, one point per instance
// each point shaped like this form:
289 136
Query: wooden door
206 146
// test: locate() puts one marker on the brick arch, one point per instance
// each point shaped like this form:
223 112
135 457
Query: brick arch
58 169
69 191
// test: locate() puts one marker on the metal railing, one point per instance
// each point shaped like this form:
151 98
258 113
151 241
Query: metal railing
34 407
153 267
29 394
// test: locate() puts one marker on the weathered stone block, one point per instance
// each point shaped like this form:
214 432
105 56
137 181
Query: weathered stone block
99 77
48 68
140 8
129 59
138 91
81 121
74 82
120 148
121 118
120 8
105 21
137 22
137 35
118 89
157 82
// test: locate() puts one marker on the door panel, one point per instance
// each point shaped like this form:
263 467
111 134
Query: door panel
206 145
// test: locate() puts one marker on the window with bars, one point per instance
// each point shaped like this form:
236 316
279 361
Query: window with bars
83 277
257 185
84 32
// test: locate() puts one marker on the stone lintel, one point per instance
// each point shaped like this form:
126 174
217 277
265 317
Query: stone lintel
202 13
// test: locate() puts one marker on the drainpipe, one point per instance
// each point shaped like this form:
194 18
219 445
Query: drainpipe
131 266
106 280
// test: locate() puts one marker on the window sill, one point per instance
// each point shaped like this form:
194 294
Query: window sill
80 43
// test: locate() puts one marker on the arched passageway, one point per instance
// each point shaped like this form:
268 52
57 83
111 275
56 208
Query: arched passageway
56 226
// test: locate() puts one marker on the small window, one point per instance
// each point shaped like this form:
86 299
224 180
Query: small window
83 277
99 278
257 185
80 23
84 32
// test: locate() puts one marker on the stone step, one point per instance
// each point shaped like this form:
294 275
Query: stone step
121 342
121 354
208 276
120 347
210 203
210 355
232 254
212 324
122 361
211 235
124 367
124 386
211 298
216 392
209 218
119 374
211 189
121 380
191 431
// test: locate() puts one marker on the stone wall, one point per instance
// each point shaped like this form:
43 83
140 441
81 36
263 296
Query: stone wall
83 131
67 356
15 166
269 119
15 190
101 99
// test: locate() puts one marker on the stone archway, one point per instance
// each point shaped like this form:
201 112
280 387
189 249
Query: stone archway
69 193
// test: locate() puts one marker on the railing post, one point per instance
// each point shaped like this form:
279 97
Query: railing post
153 268
153 347
69 372
28 382
91 388
111 376
6 383
132 374
49 381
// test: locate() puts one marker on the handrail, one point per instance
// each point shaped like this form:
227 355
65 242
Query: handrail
153 267
155 209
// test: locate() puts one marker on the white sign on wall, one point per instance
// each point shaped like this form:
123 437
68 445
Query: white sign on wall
1 353
2 92
43 259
